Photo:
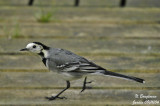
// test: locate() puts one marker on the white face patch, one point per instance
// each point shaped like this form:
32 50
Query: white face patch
32 47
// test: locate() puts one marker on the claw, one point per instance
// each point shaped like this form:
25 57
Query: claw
82 90
89 82
88 87
55 97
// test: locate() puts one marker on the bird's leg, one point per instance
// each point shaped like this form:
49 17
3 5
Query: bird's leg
57 96
84 84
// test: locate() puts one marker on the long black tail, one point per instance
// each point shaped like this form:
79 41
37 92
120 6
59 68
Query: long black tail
124 76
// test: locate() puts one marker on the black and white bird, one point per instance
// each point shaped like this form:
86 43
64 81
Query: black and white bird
70 66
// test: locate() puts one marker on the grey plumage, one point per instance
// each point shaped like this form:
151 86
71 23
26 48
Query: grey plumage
69 65
64 61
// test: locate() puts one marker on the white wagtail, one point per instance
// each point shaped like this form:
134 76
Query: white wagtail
70 66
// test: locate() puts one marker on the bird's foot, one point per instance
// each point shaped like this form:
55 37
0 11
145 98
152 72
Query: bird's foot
89 82
84 86
55 97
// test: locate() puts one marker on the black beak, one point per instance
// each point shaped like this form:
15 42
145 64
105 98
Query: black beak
25 49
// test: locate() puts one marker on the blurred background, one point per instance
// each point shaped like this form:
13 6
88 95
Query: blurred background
120 35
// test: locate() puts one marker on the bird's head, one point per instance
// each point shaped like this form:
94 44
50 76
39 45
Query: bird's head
35 47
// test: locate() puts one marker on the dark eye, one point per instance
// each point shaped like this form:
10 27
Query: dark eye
34 46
